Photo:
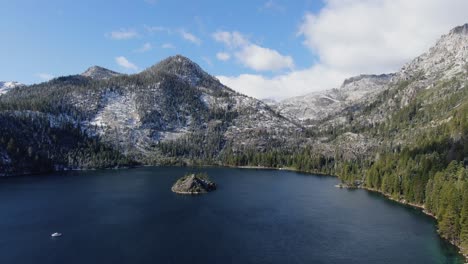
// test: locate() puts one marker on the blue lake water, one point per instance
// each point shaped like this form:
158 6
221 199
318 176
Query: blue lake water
255 216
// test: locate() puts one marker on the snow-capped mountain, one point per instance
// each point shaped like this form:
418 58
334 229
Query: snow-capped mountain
185 69
431 87
176 99
425 94
99 73
447 58
321 105
444 61
7 86
175 110
172 102
438 75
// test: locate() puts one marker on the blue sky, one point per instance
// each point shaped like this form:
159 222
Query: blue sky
65 37
263 48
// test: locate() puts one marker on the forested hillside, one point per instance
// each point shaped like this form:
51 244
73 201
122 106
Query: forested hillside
171 112
403 134
422 157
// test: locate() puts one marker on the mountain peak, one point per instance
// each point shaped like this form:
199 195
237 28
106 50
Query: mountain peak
463 30
183 67
180 59
176 64
99 73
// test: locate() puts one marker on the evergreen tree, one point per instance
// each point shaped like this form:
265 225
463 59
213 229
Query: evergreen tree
464 219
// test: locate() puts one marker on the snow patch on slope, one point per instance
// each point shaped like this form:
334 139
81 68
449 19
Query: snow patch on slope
119 111
99 73
320 105
7 86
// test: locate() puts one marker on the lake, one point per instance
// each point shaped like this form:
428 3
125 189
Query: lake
255 216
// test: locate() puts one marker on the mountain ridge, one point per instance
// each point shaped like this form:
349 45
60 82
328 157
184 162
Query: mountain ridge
99 73
173 102
314 107
7 86
403 134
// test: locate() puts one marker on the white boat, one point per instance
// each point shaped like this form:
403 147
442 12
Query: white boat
56 234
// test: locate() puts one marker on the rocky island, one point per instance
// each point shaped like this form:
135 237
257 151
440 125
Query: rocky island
193 184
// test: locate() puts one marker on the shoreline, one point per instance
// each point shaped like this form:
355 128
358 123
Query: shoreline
386 196
274 168
401 202
188 193
416 206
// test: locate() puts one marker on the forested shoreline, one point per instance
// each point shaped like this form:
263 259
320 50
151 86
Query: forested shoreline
409 141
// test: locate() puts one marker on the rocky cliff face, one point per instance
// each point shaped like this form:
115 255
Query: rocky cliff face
193 184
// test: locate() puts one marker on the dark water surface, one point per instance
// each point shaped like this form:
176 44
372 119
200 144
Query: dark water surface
255 216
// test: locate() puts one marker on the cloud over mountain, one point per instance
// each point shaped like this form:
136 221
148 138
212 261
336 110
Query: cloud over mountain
351 37
251 55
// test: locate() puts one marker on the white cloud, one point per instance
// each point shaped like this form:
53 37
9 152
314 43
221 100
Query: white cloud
125 63
378 36
167 46
45 76
285 85
190 37
122 34
223 56
263 59
350 37
272 5
146 47
231 39
252 55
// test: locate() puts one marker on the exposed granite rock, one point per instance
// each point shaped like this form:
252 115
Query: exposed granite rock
193 184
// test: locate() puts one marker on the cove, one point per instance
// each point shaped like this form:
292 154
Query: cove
254 216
